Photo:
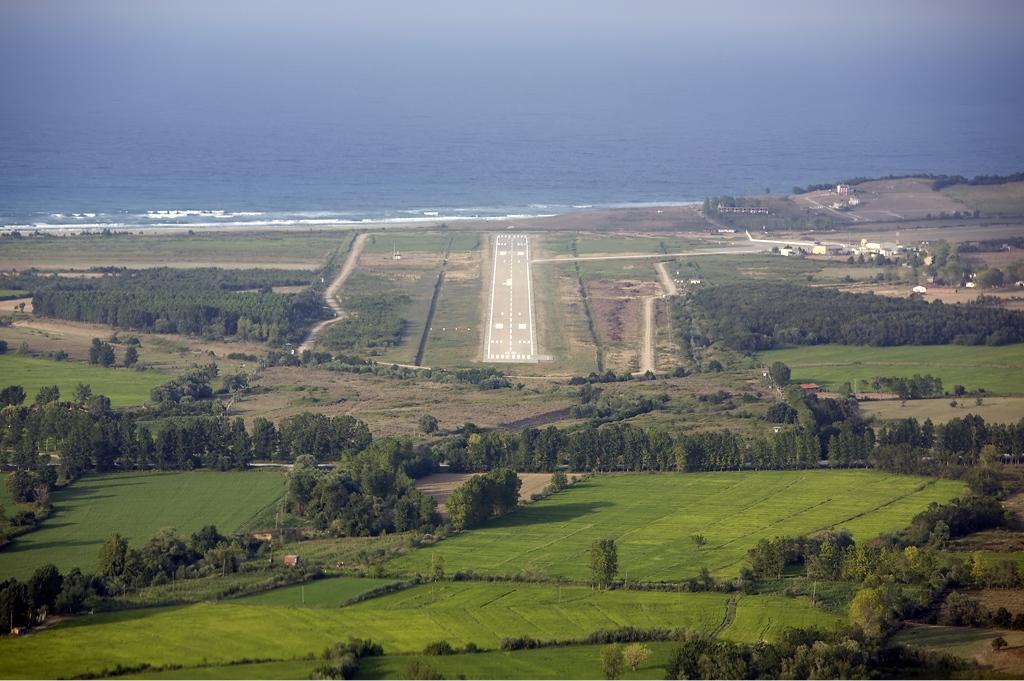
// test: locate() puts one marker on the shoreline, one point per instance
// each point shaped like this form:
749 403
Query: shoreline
581 217
206 220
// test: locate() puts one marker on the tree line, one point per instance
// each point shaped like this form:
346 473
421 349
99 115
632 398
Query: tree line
750 319
85 434
164 557
486 378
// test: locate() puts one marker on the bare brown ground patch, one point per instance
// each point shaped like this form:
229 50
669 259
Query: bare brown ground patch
1011 298
617 307
909 198
12 304
997 258
168 352
992 540
993 599
441 485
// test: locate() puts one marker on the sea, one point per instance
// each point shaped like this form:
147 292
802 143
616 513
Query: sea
203 159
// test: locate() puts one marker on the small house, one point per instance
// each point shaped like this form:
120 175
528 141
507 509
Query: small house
291 560
810 388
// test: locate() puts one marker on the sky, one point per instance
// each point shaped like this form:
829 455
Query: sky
98 95
98 51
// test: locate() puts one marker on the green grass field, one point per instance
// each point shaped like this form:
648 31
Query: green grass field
992 409
320 593
569 662
653 516
209 634
997 198
124 387
220 249
996 369
8 294
137 505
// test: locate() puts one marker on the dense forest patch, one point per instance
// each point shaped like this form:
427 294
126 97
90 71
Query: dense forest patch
750 318
203 301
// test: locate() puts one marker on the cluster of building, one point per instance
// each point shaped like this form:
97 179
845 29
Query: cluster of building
746 210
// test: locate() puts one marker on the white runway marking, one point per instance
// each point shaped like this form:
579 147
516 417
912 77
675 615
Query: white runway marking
516 342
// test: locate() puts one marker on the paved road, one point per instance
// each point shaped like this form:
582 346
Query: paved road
511 336
331 294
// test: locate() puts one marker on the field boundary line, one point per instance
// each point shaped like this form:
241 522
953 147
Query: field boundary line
920 488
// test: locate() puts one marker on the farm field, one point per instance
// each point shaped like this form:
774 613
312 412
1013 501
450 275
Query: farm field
124 387
970 643
653 516
137 505
216 249
568 662
320 593
992 409
996 369
997 199
461 612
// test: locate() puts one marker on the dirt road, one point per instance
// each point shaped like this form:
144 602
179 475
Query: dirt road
647 351
666 281
331 294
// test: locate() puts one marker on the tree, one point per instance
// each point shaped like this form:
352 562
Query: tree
699 540
998 643
636 654
604 561
612 662
437 566
47 394
3 346
428 424
559 481
113 556
101 352
82 393
43 588
12 395
131 356
871 610
779 373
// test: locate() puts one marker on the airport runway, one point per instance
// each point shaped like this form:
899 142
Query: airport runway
511 336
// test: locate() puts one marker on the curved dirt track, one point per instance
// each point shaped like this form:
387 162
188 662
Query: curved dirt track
331 294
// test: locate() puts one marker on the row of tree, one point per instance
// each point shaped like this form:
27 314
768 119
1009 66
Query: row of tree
89 435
